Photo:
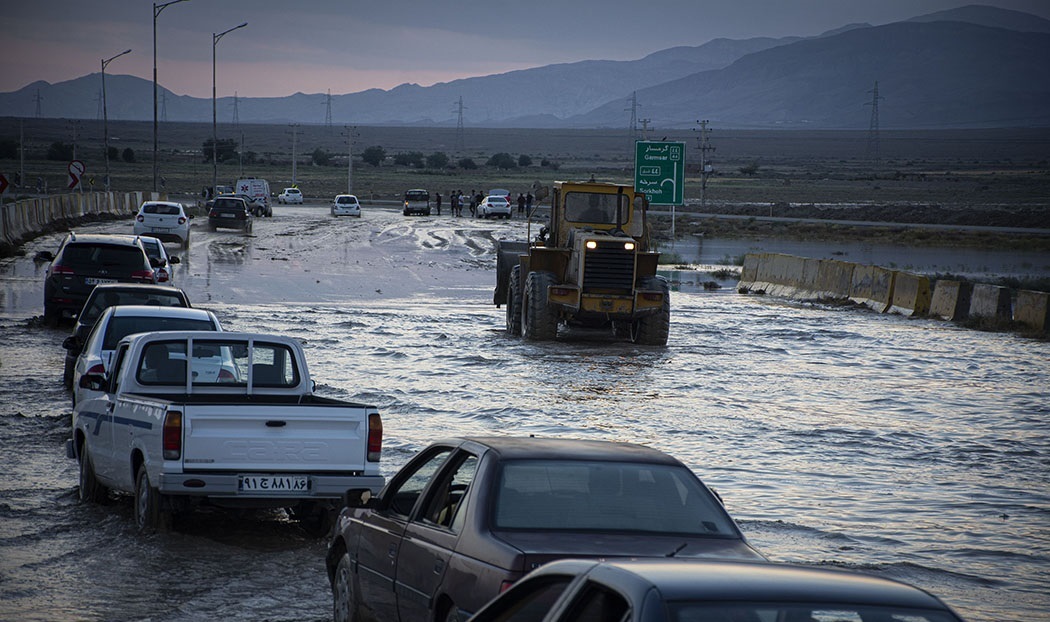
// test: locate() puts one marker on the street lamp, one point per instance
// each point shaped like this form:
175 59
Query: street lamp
105 114
157 8
214 131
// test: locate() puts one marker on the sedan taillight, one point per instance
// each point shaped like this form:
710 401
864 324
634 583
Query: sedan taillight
139 218
182 220
143 275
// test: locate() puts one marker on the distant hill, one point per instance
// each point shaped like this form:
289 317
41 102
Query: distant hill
945 74
975 66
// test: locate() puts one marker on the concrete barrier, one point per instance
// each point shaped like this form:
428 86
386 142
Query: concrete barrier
749 272
911 294
872 287
833 279
1033 309
990 301
26 219
951 300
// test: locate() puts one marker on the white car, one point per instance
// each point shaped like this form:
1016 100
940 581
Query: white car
164 220
494 205
117 322
346 205
163 264
290 195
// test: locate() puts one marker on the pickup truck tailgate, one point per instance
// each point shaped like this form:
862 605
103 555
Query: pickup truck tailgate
286 438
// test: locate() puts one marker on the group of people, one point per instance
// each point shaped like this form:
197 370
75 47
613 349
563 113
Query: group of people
457 200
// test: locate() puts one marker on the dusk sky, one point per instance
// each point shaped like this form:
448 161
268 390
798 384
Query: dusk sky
345 46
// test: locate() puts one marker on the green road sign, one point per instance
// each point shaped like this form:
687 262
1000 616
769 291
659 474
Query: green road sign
659 171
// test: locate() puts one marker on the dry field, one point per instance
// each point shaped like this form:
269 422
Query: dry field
971 177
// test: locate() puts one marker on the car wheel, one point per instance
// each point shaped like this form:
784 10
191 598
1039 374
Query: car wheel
91 491
344 602
51 316
149 515
652 330
514 302
538 322
453 613
316 520
186 240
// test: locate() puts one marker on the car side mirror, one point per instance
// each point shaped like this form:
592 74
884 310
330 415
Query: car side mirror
94 382
174 259
156 262
70 343
358 498
190 216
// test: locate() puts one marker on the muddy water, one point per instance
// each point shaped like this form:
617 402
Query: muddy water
907 448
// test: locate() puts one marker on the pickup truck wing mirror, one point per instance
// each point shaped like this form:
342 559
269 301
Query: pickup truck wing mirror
94 382
359 498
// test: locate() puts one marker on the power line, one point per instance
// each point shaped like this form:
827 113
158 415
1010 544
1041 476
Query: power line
633 100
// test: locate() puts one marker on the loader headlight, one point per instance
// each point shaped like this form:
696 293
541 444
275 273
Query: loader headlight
628 246
591 245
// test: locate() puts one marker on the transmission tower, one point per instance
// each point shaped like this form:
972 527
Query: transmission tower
645 128
874 148
633 101
164 106
98 100
459 108
38 99
703 143
328 110
236 111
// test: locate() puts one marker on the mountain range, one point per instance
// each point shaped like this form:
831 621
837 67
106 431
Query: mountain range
975 66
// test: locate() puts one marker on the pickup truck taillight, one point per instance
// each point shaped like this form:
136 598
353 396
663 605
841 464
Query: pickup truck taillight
173 435
375 437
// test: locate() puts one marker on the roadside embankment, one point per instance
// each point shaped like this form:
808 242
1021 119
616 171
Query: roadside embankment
893 291
26 219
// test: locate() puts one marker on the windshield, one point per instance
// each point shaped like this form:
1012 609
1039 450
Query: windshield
594 207
631 497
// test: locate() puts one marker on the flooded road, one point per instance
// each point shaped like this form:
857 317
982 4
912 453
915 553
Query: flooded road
912 449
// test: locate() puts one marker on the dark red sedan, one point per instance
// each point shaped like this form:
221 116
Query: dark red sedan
466 518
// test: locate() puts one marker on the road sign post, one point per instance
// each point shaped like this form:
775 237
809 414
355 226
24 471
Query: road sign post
76 172
659 173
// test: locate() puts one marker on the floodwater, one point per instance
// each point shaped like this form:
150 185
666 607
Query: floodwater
906 448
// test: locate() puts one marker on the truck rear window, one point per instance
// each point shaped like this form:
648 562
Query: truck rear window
217 362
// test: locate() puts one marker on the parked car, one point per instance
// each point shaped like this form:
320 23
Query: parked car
256 206
165 220
86 260
465 518
417 201
230 212
494 206
290 195
674 590
163 264
118 322
111 295
346 205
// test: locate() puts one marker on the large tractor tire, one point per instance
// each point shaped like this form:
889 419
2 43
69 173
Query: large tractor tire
652 330
514 302
538 322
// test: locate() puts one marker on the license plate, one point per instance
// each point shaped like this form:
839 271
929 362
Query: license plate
228 215
276 484
96 281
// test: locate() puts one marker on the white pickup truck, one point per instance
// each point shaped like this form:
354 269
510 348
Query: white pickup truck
239 426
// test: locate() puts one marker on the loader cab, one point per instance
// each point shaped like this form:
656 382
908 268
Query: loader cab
595 207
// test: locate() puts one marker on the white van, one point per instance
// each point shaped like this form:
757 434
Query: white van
259 191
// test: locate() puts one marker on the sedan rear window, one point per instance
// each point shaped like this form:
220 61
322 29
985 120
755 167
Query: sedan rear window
120 327
164 210
574 495
91 257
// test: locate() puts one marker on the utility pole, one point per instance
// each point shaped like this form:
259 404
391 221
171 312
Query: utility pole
164 106
295 131
236 112
704 144
328 111
21 155
350 131
459 108
873 129
38 100
645 128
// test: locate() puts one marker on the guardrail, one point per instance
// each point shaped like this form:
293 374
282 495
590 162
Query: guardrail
26 219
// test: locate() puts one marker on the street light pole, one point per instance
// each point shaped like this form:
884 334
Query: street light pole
214 124
105 113
157 8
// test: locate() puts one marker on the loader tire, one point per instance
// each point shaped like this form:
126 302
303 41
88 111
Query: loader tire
538 322
652 330
514 302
